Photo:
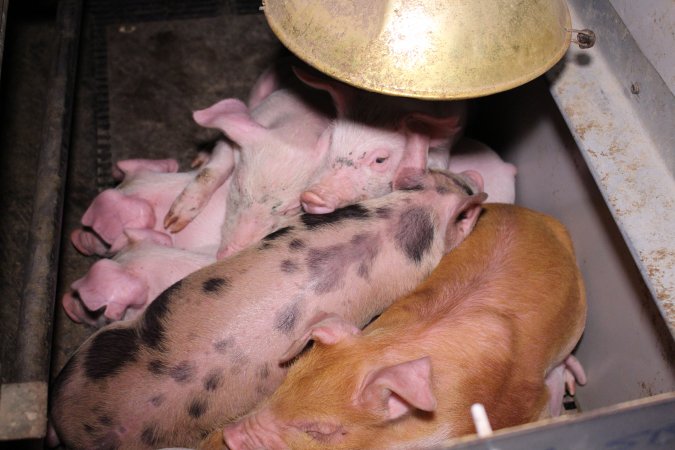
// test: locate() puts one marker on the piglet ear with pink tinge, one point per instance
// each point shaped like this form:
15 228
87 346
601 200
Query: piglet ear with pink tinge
232 117
439 130
398 389
341 94
325 328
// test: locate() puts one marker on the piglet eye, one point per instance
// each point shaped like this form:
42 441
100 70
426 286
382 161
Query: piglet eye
317 435
324 432
461 216
381 159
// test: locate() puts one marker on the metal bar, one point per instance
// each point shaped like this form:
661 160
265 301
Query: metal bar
641 424
33 348
3 27
620 112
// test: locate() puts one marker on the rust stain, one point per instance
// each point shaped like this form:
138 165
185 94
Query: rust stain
659 264
669 310
582 129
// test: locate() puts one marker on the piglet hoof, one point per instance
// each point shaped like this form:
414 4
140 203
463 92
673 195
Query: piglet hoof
175 221
314 204
185 208
200 160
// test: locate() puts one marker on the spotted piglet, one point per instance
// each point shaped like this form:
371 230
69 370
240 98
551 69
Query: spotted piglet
207 350
494 324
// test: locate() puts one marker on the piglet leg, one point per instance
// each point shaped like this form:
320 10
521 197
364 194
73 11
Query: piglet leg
565 375
574 374
198 192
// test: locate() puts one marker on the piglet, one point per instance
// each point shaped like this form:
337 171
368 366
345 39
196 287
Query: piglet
141 200
373 138
121 288
207 350
494 324
279 155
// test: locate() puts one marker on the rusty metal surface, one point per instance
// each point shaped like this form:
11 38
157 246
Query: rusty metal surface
3 25
621 114
430 49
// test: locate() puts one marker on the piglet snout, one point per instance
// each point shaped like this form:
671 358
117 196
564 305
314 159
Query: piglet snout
313 203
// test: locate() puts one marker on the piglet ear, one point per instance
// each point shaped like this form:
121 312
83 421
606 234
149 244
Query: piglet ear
232 117
267 83
341 94
399 389
325 328
466 216
441 131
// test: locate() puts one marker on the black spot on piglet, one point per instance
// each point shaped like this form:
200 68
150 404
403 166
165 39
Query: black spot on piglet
152 327
182 372
110 351
223 345
197 408
105 420
157 400
289 266
356 211
213 380
214 285
277 234
383 212
151 436
157 367
415 233
296 244
286 318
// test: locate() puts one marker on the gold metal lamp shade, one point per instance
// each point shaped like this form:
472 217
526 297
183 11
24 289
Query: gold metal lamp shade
433 49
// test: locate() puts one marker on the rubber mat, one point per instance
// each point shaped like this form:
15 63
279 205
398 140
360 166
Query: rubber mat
156 60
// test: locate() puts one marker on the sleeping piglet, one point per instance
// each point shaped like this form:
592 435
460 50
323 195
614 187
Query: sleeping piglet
276 140
206 351
121 287
141 200
373 138
494 324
